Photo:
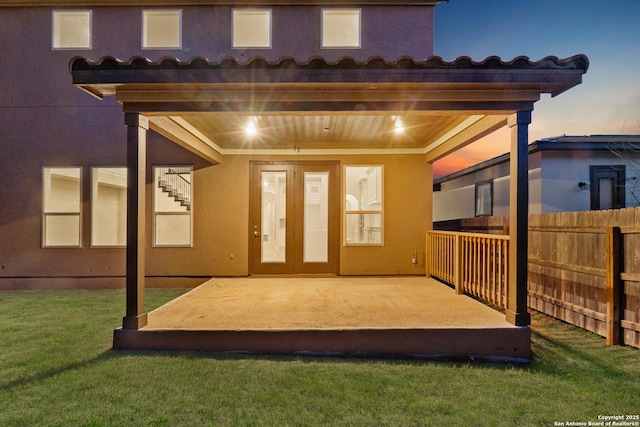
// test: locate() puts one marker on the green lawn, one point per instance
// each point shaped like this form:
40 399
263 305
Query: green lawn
56 368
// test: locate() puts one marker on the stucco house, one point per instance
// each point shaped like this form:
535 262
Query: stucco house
566 174
165 142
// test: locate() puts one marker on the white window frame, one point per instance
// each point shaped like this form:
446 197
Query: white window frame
237 14
95 198
160 213
326 41
52 213
360 211
57 28
150 13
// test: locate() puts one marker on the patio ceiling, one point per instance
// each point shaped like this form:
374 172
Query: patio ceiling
315 105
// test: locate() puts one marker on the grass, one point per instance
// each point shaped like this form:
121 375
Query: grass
57 369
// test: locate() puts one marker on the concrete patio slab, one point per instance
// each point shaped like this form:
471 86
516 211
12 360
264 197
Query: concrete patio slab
399 316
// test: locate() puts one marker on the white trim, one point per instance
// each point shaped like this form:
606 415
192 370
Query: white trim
325 152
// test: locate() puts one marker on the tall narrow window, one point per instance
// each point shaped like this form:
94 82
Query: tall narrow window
363 205
173 202
161 29
341 28
252 28
109 207
71 29
484 198
61 207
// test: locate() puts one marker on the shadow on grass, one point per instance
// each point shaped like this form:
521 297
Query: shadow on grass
558 347
44 375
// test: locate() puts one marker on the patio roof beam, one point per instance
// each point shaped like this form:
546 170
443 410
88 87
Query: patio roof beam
336 93
185 138
453 107
470 134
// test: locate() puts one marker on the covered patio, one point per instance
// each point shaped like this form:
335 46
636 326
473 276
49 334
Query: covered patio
379 316
317 105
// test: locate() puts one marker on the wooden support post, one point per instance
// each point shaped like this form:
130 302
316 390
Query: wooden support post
137 126
428 216
517 307
614 285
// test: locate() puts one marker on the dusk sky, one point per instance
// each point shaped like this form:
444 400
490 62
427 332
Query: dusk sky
608 32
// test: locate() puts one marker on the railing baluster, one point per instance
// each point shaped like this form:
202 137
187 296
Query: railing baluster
483 263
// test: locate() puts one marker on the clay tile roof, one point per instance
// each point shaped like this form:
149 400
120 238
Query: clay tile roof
579 62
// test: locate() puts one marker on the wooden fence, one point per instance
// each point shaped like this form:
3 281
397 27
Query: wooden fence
584 268
476 264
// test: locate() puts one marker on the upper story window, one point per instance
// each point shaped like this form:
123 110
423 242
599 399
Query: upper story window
484 198
251 28
109 206
71 29
363 205
61 207
340 28
162 29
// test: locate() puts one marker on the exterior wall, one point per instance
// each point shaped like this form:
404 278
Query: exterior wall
456 199
47 122
553 184
562 172
222 217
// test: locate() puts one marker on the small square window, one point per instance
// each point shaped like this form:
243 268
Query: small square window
252 28
341 28
71 29
161 29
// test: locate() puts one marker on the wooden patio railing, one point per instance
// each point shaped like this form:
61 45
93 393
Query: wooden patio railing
473 263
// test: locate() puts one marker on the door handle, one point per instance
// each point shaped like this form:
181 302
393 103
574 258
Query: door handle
256 233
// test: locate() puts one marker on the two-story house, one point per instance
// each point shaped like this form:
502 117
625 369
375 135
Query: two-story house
164 142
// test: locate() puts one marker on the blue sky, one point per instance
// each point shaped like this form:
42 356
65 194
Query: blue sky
608 32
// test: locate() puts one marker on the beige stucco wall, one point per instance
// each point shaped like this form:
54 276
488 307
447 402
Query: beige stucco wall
221 220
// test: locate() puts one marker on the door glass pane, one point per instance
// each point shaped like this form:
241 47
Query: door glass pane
606 193
316 217
273 228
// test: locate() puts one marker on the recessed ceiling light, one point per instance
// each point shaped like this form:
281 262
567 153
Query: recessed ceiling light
398 126
250 129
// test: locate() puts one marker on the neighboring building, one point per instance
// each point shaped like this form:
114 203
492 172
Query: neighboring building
566 173
289 139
